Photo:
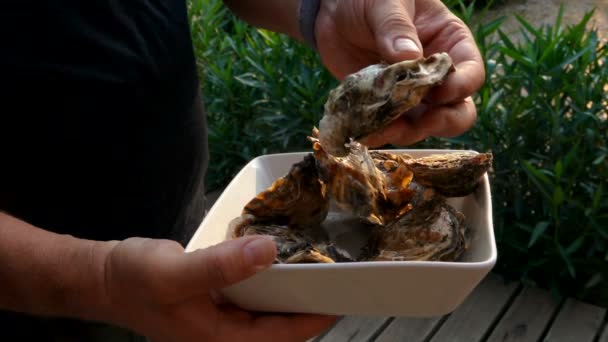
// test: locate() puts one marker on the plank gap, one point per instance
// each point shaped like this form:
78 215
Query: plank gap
321 335
502 311
552 319
577 321
470 321
380 329
526 317
436 328
602 334
354 328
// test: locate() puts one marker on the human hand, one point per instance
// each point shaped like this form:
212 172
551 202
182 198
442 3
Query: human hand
157 290
352 34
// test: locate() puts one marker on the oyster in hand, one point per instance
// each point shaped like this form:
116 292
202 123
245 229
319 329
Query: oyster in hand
371 98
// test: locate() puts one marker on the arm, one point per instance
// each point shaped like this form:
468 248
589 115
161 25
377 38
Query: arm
44 273
149 286
275 15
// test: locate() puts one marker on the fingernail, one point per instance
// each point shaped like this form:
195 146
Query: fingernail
259 252
405 45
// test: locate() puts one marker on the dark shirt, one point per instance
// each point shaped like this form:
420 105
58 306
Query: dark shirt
102 131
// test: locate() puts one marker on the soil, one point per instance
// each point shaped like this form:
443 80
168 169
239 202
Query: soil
540 12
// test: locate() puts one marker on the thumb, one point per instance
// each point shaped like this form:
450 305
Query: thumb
231 261
394 30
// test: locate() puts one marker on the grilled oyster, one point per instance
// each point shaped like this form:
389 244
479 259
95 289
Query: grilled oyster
291 211
297 199
298 246
375 190
371 98
431 230
451 174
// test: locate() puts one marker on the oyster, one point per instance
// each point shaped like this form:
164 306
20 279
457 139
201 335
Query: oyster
371 98
291 211
400 198
373 189
431 230
452 174
297 199
296 246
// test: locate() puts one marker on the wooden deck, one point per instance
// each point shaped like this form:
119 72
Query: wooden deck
495 311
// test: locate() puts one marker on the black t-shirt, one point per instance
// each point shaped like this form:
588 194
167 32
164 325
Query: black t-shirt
102 131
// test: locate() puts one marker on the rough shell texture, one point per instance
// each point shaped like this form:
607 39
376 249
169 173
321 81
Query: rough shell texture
298 246
371 98
297 199
431 230
453 174
357 185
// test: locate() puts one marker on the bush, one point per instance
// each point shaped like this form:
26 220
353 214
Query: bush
263 91
542 112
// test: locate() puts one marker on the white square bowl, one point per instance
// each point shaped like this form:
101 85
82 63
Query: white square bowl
387 288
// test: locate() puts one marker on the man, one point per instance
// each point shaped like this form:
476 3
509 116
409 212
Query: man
103 152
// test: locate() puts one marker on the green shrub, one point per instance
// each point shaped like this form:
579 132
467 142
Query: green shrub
542 112
263 91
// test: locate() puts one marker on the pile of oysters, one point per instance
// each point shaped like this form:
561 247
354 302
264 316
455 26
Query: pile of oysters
400 200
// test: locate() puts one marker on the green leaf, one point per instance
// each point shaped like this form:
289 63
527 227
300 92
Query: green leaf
575 245
539 229
558 196
597 196
558 169
566 258
527 25
594 280
599 159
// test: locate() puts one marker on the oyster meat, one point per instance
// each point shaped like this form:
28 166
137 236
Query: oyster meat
371 98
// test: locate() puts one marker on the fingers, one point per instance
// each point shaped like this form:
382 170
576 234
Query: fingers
424 121
469 72
223 264
442 31
393 27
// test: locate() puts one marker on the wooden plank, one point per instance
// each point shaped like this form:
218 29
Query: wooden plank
604 336
577 321
473 319
355 328
409 329
527 317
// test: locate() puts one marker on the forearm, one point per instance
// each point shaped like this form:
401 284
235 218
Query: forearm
44 273
275 15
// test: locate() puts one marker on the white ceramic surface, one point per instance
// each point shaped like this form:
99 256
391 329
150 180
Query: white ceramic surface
390 288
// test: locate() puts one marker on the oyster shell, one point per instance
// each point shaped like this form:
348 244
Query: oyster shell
297 199
431 230
451 174
298 246
371 98
373 189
